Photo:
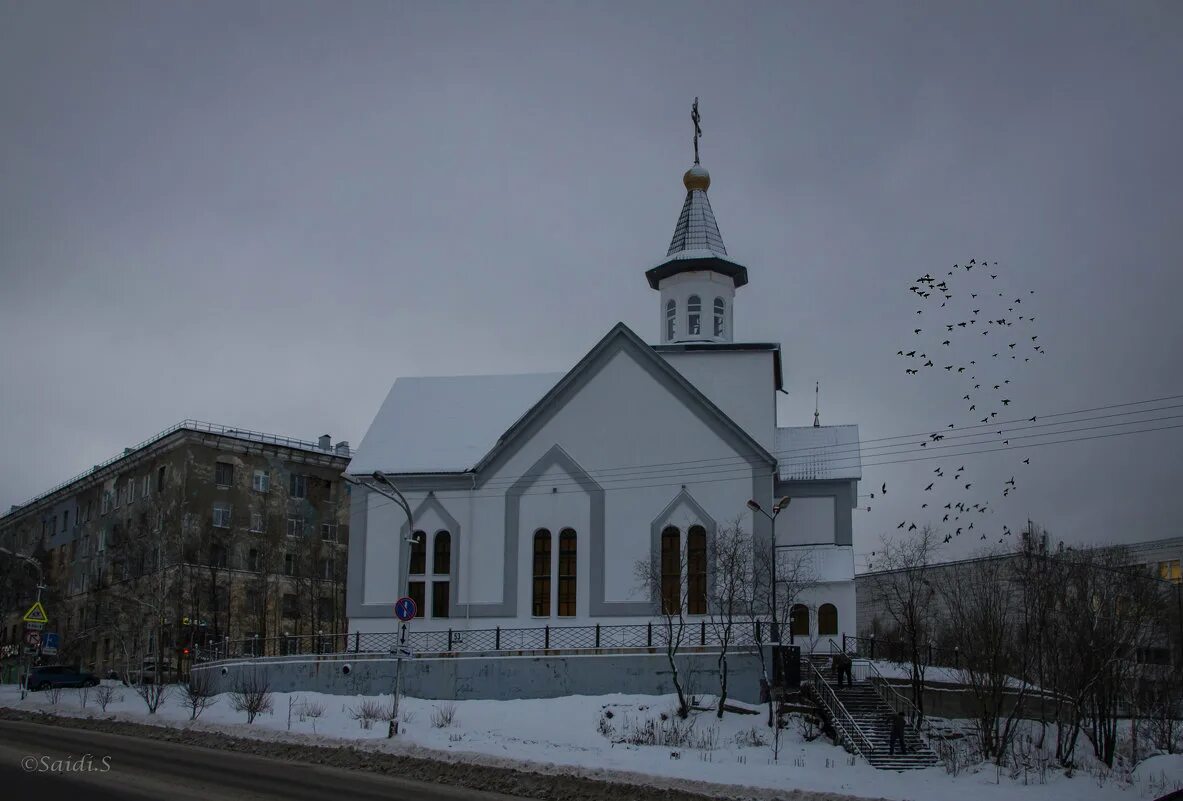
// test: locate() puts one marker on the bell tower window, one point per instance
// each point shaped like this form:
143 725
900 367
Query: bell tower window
720 311
694 316
671 314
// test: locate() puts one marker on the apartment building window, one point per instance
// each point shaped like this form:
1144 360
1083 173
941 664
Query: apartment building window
295 527
261 481
1170 571
105 506
217 556
65 520
53 525
145 485
256 522
298 486
102 541
221 515
289 564
291 607
224 474
119 492
324 568
131 490
253 561
161 472
328 532
325 608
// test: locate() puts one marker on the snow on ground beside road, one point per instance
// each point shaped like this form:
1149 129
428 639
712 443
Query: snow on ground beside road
568 735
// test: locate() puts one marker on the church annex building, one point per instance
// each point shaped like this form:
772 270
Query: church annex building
534 496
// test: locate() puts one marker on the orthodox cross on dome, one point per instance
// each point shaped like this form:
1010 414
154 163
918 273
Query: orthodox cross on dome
697 130
816 419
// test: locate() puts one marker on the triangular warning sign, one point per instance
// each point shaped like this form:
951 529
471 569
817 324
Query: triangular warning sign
36 614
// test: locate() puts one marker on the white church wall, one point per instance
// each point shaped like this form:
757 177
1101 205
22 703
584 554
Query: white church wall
740 383
807 520
381 557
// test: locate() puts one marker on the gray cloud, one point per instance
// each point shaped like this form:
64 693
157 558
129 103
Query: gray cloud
262 215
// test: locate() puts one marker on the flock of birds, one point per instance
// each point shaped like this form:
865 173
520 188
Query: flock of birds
973 339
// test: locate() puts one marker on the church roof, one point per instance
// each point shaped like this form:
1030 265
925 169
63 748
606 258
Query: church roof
445 424
808 453
697 243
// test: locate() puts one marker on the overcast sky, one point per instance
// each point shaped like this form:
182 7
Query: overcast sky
261 214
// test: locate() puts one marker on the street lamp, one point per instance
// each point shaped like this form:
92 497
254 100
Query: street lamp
777 508
40 586
404 559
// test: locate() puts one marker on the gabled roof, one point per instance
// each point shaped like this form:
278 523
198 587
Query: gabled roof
808 453
622 337
445 424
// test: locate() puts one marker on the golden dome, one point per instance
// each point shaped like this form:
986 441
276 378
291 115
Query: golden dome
696 177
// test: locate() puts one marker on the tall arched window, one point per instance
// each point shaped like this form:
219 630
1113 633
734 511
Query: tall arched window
827 619
671 570
441 556
720 314
799 620
694 315
418 564
671 315
541 590
696 570
567 542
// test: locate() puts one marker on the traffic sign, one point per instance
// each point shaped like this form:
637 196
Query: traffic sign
405 609
49 643
33 638
36 614
33 626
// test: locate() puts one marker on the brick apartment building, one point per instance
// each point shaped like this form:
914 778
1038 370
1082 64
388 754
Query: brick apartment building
198 534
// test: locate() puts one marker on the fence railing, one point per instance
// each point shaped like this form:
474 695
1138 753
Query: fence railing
744 635
898 651
850 732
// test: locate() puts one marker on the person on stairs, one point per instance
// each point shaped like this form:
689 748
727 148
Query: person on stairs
897 734
841 666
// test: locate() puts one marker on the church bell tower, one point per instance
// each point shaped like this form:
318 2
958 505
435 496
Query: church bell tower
697 280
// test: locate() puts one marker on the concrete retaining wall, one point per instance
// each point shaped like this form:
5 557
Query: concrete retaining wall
499 678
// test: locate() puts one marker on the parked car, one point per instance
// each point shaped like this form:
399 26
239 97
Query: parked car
48 676
150 673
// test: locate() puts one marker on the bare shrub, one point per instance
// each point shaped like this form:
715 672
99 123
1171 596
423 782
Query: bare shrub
154 695
809 726
668 731
313 710
104 694
199 693
83 695
750 738
54 694
367 711
443 715
604 725
251 694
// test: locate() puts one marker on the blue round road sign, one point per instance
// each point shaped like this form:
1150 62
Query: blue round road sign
405 609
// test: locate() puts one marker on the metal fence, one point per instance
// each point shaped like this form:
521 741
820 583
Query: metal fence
743 634
899 651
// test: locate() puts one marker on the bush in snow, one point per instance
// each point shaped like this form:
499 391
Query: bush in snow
443 715
83 695
55 695
103 695
154 695
367 711
252 695
808 726
314 710
199 693
750 738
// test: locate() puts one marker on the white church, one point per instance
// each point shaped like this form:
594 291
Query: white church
533 496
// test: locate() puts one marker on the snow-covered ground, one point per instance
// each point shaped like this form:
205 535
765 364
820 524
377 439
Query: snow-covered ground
588 735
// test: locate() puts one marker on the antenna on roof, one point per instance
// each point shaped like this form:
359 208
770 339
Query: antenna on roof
816 420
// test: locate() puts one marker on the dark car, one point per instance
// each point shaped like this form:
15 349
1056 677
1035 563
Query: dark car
43 678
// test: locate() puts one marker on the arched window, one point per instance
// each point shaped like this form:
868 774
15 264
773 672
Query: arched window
541 604
827 619
720 313
567 542
441 556
799 620
671 314
696 570
693 315
418 564
671 570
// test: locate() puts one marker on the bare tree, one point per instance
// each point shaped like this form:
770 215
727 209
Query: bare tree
731 560
199 693
251 694
908 598
666 580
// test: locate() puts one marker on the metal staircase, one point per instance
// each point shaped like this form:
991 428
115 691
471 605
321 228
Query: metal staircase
861 715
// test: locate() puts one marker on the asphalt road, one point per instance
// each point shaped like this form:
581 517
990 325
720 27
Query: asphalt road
136 768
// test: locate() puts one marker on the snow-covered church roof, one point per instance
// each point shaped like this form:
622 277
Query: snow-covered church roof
446 424
812 453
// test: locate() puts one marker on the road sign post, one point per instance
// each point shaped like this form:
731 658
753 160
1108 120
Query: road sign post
405 610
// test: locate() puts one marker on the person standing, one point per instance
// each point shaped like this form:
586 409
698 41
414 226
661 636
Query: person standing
898 723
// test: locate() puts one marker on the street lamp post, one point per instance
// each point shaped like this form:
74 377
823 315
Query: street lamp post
40 586
777 508
404 558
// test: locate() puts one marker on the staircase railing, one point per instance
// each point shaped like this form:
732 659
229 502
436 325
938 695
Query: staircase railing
888 693
840 718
